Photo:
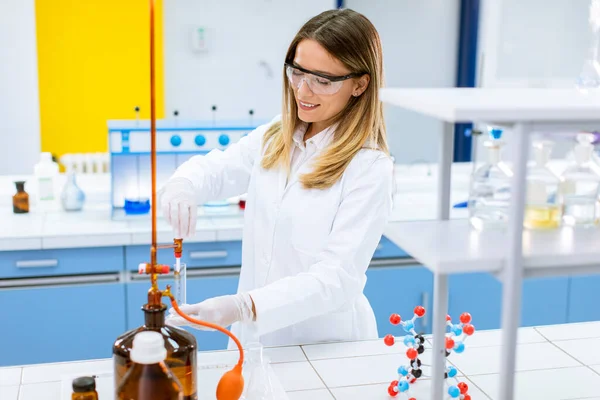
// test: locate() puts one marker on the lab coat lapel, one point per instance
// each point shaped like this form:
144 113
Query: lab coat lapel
307 166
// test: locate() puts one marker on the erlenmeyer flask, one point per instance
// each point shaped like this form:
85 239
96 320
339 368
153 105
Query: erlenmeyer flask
259 384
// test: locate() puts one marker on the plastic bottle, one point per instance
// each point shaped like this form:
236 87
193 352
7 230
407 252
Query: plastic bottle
579 187
149 378
20 199
46 178
542 210
84 388
489 197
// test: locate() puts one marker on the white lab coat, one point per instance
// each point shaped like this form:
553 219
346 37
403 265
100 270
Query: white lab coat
304 252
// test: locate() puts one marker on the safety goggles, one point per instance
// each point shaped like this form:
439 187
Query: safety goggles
317 82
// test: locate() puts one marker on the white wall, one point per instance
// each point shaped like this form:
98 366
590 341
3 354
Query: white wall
532 43
419 41
535 43
242 68
19 105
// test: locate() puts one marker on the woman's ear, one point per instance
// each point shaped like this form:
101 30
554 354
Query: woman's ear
360 85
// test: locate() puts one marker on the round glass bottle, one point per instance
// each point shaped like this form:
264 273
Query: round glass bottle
181 350
489 197
542 210
578 190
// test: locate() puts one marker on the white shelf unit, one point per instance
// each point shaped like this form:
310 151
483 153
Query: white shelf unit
451 246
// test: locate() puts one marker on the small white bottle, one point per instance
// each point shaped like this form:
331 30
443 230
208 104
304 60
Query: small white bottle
46 182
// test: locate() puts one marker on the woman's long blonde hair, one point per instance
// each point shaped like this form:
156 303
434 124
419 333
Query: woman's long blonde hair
351 38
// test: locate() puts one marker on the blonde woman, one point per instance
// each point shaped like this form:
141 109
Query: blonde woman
318 180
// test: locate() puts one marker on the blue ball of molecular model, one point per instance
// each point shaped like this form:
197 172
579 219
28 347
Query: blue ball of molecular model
403 386
409 341
459 347
452 372
453 391
402 370
457 330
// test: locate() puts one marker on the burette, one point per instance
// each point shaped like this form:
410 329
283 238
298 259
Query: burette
231 385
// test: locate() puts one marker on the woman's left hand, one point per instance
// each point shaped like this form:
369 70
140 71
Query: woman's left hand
222 311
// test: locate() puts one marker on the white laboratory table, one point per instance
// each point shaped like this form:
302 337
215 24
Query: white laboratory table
557 362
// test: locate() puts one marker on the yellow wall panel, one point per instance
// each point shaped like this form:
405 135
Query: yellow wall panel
94 65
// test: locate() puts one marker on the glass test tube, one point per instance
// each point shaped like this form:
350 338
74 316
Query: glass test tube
180 282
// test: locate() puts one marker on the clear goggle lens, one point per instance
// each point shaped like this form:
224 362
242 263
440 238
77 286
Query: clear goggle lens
317 84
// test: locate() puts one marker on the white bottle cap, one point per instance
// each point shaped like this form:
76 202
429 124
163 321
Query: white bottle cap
148 348
46 157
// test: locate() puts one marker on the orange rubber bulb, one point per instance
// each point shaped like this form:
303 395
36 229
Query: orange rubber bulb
231 385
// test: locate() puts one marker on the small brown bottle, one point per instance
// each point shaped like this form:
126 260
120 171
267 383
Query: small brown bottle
20 199
84 388
149 378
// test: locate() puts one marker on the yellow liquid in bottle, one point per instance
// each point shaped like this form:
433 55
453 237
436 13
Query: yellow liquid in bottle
542 217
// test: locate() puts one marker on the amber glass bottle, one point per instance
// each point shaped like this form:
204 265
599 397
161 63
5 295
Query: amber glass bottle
84 388
20 199
181 349
149 378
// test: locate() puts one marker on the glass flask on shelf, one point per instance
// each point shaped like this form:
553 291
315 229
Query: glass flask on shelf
542 210
149 377
579 185
181 349
589 76
489 195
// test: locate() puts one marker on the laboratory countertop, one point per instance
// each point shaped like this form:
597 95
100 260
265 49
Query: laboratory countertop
557 362
415 199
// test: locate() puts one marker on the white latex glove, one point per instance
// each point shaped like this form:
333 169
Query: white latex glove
222 310
179 206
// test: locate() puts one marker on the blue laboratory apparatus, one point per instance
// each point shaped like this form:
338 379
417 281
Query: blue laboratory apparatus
176 142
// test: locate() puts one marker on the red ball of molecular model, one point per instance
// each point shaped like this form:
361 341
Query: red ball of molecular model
408 374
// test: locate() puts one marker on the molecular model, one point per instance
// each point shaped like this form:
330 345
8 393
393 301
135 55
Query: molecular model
408 374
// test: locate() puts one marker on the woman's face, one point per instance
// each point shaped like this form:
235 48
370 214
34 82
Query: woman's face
319 99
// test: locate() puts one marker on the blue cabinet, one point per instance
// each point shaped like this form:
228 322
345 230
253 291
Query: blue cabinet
480 294
584 297
60 323
199 288
399 289
60 262
387 249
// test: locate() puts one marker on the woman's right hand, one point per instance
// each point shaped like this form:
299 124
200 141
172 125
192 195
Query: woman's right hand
179 206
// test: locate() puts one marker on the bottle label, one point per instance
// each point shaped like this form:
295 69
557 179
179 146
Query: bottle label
46 188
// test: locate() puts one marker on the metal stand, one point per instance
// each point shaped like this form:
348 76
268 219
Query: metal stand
440 286
512 277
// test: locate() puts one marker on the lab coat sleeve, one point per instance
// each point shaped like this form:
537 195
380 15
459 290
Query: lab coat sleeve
222 174
337 277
